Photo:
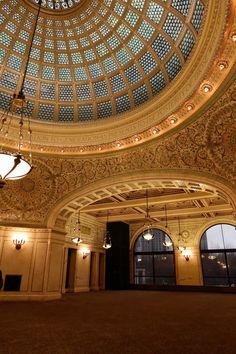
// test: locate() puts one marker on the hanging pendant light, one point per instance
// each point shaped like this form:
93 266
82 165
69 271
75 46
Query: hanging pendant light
15 166
148 234
77 230
167 242
107 238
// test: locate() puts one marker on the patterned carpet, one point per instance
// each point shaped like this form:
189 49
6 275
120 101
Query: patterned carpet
110 322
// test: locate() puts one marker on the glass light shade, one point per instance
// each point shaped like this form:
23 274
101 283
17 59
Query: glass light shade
107 242
187 253
167 243
77 240
148 235
13 166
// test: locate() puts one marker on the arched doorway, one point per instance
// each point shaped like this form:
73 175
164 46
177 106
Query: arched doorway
154 260
218 254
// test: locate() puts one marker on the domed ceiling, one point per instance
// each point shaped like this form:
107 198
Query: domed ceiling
101 59
105 74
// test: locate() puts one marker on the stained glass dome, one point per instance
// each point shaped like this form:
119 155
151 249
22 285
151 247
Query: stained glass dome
58 4
100 60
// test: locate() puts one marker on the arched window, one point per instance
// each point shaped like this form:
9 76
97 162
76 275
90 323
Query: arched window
218 253
154 260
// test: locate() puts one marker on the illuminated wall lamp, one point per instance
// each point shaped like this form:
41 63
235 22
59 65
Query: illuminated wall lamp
187 254
18 242
85 252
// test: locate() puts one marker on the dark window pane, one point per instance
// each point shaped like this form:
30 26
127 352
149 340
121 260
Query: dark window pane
164 265
231 260
143 265
216 281
161 242
143 280
214 264
233 281
165 281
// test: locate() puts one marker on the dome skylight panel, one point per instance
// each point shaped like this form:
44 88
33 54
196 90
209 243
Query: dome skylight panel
58 4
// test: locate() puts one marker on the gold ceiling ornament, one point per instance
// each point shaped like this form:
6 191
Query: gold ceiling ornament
14 165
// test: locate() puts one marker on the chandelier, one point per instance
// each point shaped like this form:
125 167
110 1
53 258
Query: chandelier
107 238
15 166
148 234
77 230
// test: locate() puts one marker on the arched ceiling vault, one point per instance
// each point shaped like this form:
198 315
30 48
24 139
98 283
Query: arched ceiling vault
106 75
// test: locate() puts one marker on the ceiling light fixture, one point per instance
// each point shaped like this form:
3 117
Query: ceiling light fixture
148 233
107 238
77 230
15 166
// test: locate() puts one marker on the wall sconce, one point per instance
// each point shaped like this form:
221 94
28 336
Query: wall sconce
187 254
181 248
18 241
85 252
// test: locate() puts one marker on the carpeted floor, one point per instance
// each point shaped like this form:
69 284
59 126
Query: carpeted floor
137 322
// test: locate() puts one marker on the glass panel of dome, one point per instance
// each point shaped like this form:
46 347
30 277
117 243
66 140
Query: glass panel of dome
197 15
161 46
33 69
61 45
119 9
113 42
100 89
112 20
14 62
122 103
35 53
133 75
140 95
29 109
65 93
109 65
89 55
102 50
2 55
95 37
49 32
187 44
5 39
85 112
30 88
76 58
64 74
19 47
63 58
131 18
83 92
182 6
2 19
80 74
73 44
173 66
47 91
46 111
11 27
24 35
95 70
9 80
135 45
49 43
117 83
48 73
172 26
155 12
104 30
37 41
147 62
157 82
66 113
138 4
123 56
59 33
6 8
84 42
48 57
69 33
5 101
104 109
17 17
123 31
